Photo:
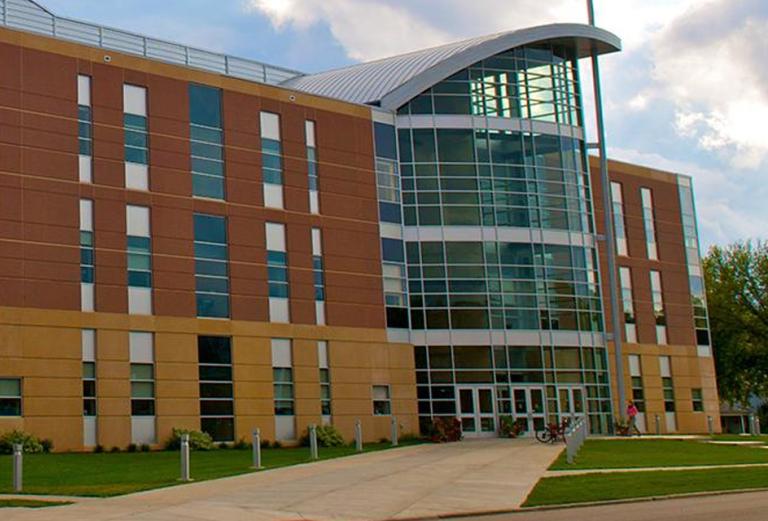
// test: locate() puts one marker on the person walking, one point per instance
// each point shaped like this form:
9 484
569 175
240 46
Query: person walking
632 412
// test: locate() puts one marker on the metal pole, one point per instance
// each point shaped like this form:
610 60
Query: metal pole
359 436
256 449
610 238
658 425
395 434
313 441
752 424
18 467
185 457
757 425
710 425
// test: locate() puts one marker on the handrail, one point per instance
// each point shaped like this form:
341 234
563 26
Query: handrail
575 436
29 16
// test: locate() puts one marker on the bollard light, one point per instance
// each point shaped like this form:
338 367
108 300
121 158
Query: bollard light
710 425
359 436
18 467
185 475
395 434
256 449
658 425
313 442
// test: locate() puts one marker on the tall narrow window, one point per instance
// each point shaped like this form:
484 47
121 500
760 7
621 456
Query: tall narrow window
649 224
211 266
282 370
142 356
325 380
638 392
314 198
393 270
139 260
10 397
657 297
628 304
87 270
206 142
136 137
84 128
277 273
271 160
88 343
619 225
697 398
319 276
382 403
668 389
217 408
387 173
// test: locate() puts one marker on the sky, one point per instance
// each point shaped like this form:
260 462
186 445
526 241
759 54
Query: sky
688 93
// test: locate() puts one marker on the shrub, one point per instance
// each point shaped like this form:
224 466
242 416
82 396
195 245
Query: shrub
277 445
241 444
445 430
98 449
327 436
132 448
31 445
47 444
197 440
265 444
145 447
114 450
510 427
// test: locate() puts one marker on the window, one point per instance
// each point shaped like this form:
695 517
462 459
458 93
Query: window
136 137
139 260
84 127
206 142
217 409
271 160
325 378
317 264
387 173
211 266
142 374
657 298
312 165
394 280
87 257
635 372
282 371
667 384
698 400
88 339
277 272
648 223
628 305
10 397
382 404
618 218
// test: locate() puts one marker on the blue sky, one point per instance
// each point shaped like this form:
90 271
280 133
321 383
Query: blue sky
688 94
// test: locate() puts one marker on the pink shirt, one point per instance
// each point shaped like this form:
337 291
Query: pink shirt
632 411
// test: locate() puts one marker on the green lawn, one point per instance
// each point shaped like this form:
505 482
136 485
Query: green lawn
121 473
606 454
28 503
626 485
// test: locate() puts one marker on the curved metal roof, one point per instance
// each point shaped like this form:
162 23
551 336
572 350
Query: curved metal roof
391 82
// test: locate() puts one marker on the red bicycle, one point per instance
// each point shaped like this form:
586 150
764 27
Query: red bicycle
553 432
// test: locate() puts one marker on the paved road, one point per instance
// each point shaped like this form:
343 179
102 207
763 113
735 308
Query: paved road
418 481
751 506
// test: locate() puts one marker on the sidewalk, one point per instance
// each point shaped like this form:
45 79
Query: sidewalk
559 473
418 481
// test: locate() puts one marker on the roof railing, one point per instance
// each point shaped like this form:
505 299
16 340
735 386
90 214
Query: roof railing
29 16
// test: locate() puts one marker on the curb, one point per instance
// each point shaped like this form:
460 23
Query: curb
570 506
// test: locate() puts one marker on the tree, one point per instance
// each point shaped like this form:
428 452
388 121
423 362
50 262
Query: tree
737 295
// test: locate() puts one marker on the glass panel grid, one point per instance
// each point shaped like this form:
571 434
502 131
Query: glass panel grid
215 374
211 266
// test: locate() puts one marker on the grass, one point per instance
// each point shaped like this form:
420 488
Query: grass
103 475
616 454
29 503
629 485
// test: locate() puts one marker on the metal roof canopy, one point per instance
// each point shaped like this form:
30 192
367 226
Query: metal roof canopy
392 82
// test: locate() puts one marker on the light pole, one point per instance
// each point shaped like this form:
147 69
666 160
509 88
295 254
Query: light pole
610 237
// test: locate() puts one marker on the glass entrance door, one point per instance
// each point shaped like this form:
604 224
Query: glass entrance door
477 411
528 407
571 403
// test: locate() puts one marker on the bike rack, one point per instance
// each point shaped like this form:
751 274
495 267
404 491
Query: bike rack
575 436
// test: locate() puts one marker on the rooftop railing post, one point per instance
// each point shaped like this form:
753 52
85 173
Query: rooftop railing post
313 442
256 449
359 436
185 476
18 467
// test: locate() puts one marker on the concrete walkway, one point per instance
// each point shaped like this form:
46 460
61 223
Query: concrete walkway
417 481
556 473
